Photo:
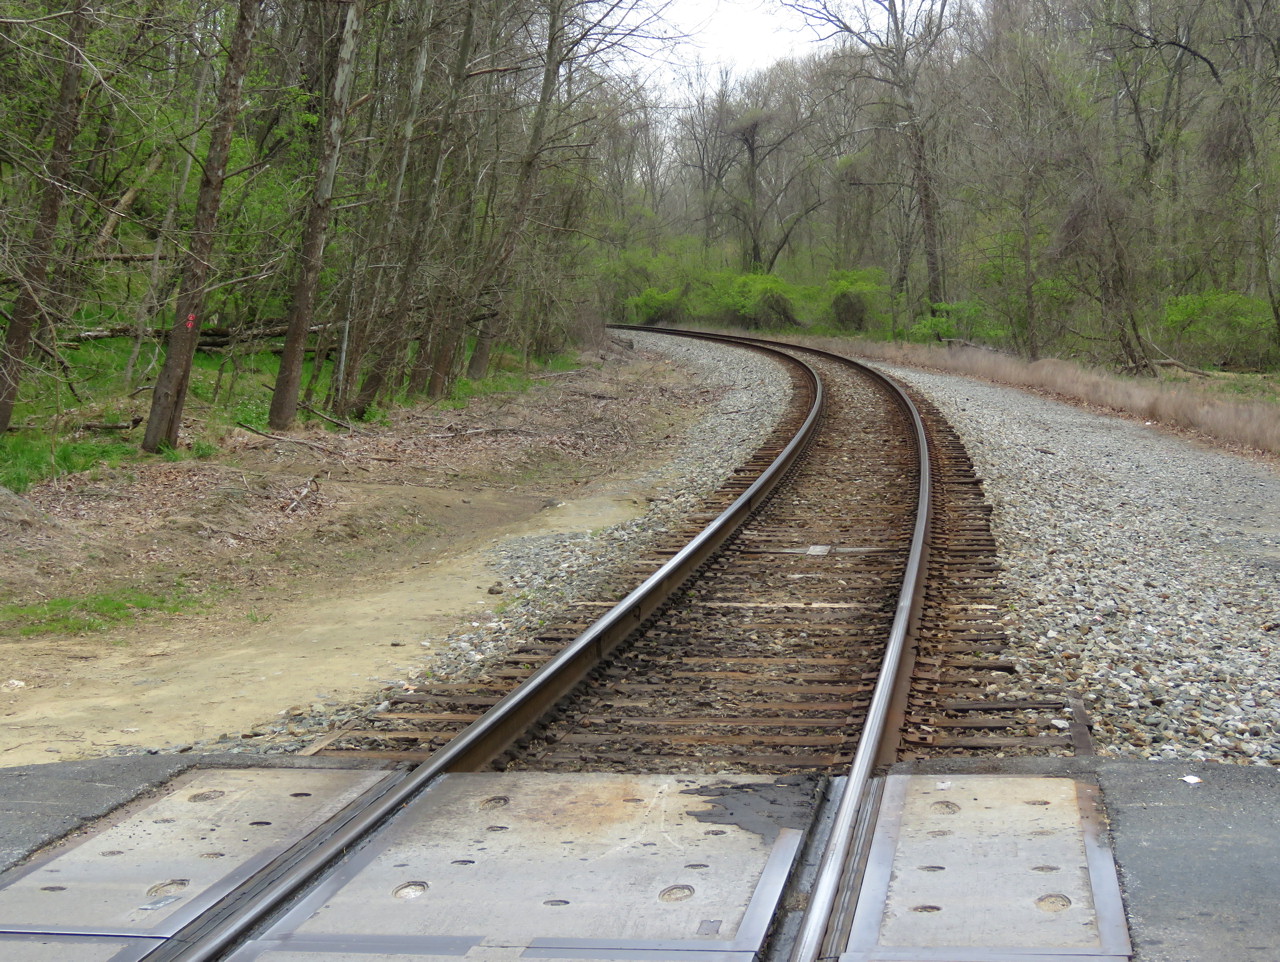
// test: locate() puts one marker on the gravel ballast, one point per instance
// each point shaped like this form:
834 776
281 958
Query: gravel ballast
1143 571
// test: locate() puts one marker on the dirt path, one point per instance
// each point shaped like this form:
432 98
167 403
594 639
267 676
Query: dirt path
307 594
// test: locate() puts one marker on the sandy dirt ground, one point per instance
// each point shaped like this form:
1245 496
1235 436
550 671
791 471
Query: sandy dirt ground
315 568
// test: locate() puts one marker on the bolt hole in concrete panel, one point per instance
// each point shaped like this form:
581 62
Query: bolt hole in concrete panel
1053 903
676 893
171 887
1022 868
151 867
639 877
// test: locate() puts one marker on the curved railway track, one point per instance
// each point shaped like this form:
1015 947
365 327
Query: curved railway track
766 659
777 638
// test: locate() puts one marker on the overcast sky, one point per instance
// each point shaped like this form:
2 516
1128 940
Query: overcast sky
744 34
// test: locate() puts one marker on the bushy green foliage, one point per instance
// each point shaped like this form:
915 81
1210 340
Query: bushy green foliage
931 327
970 321
1216 328
680 292
757 301
858 301
652 307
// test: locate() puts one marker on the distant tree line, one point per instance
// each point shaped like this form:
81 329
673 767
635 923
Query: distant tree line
1094 177
399 185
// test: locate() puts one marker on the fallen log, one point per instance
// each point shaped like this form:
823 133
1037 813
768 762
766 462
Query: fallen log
129 425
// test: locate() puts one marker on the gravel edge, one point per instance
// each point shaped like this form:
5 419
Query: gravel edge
1143 571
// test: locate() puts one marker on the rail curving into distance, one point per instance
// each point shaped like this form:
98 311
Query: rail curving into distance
257 898
826 895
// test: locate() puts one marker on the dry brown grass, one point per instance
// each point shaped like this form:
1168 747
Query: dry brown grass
1180 404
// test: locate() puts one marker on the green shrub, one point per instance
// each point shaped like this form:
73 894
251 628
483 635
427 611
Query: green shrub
652 307
856 301
931 327
1216 328
971 321
755 301
849 310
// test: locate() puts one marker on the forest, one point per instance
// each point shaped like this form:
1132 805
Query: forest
324 207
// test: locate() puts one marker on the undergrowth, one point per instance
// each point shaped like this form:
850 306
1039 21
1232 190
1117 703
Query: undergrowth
100 424
92 613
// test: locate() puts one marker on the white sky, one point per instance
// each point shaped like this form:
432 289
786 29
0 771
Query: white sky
744 34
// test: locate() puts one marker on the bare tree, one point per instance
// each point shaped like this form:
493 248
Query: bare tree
284 400
898 37
170 391
29 308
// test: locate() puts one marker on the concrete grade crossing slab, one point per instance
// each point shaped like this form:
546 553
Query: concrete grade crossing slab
50 948
1197 845
158 864
982 868
1199 860
490 866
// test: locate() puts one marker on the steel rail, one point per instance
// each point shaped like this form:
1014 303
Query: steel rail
827 886
205 939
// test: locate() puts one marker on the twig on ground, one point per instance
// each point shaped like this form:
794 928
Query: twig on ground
302 494
320 414
278 437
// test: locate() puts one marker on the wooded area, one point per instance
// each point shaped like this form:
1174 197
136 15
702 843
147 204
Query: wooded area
405 186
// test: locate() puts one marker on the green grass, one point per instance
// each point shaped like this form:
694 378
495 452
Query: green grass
26 458
81 615
223 391
1252 387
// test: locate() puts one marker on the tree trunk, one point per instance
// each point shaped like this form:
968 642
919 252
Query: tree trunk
443 359
927 199
28 307
478 365
284 400
170 393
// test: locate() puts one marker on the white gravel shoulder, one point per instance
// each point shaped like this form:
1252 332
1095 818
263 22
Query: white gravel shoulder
1143 571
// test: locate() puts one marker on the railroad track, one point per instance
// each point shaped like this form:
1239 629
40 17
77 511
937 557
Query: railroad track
766 660
779 638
